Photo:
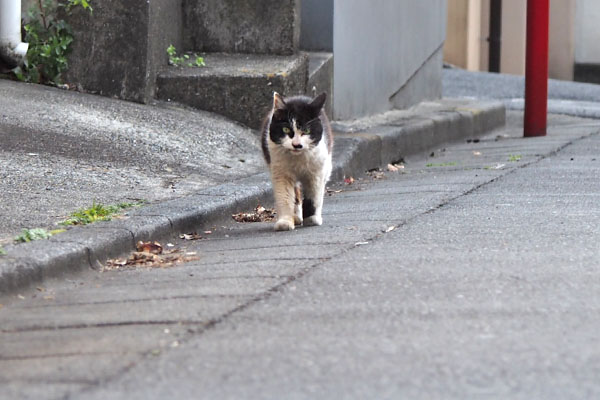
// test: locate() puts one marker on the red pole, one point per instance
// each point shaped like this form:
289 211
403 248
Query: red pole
536 68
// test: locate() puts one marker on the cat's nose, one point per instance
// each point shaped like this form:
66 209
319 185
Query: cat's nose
297 146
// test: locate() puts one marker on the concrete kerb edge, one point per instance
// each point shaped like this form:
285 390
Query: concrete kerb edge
354 154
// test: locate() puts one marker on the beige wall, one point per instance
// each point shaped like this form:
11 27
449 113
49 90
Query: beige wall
455 47
468 29
561 58
514 26
475 38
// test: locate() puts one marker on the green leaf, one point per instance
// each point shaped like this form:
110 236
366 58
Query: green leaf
200 62
30 235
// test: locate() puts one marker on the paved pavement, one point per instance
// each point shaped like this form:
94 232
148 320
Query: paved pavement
62 151
564 97
469 274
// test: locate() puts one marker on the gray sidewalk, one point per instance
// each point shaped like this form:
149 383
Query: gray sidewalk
61 151
471 273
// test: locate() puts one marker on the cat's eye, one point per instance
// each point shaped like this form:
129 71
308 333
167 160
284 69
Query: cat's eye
286 130
306 131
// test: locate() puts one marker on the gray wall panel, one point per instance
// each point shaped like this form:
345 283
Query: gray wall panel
378 46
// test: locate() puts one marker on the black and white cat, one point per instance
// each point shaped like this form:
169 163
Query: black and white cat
297 144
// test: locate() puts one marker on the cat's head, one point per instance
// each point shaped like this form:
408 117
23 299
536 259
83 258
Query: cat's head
295 122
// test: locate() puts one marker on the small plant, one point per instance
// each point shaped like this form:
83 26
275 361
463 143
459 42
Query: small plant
448 164
29 235
97 212
175 60
514 158
2 252
49 41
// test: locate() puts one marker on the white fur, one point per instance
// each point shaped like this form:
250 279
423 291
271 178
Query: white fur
310 167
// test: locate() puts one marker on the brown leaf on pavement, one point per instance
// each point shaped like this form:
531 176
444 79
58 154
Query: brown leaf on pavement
395 167
149 247
260 214
150 260
190 236
376 173
151 254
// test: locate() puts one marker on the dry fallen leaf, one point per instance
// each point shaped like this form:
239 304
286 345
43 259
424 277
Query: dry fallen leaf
149 247
376 173
153 258
190 236
260 214
349 181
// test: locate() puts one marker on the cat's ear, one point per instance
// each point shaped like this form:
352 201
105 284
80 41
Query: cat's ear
318 101
278 103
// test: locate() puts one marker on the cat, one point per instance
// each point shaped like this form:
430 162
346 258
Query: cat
297 144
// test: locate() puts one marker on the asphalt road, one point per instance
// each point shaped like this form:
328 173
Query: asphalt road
470 273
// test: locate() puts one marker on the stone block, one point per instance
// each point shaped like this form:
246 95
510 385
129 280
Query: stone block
242 26
118 49
238 86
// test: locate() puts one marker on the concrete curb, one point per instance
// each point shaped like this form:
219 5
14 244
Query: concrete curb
368 148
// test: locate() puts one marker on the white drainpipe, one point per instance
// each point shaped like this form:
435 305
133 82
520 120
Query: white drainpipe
12 50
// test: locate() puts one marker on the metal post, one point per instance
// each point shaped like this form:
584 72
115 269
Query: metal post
536 68
495 37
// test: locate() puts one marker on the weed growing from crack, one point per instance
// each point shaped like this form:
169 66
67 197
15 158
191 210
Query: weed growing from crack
447 164
29 235
97 212
176 60
514 158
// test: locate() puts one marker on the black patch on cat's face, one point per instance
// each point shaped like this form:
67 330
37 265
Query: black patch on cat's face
305 111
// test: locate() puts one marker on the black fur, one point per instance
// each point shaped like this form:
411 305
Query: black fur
308 208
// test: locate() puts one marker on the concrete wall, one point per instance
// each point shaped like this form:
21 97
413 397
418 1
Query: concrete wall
119 48
242 26
316 26
587 32
379 47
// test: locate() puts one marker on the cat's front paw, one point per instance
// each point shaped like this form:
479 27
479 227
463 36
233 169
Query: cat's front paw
284 225
313 220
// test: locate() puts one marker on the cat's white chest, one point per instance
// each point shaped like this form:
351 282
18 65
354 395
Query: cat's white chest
309 163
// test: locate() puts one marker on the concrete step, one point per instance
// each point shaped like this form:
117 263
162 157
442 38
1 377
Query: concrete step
320 77
242 26
238 86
